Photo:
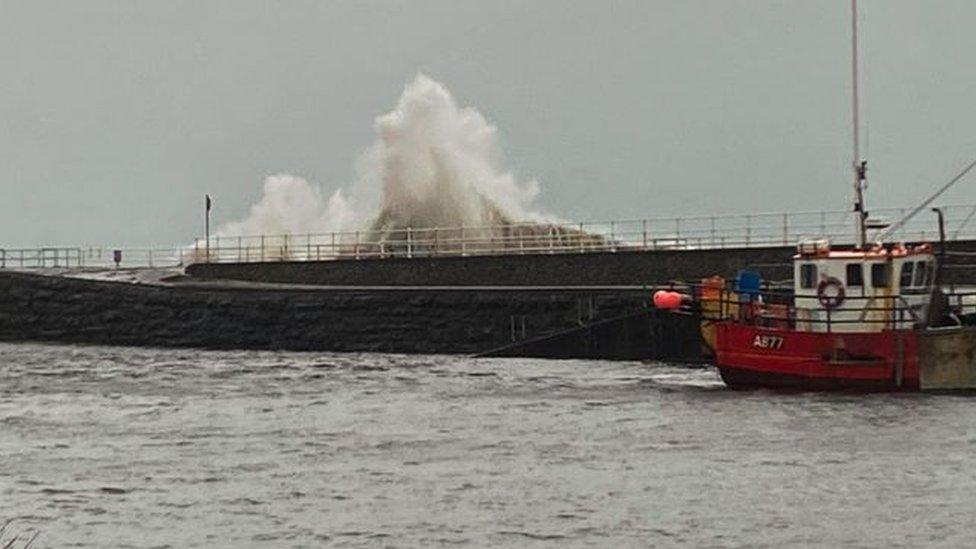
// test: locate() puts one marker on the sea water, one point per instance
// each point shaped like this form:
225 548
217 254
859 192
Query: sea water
127 447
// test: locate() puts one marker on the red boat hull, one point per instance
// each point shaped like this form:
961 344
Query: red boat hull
753 356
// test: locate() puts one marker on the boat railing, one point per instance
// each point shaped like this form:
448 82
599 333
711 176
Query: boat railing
776 308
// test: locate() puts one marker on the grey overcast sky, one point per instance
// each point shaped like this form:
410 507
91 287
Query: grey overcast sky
118 116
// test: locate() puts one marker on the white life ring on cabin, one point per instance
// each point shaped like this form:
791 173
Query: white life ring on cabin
830 292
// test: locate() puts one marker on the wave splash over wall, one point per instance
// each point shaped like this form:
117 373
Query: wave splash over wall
433 164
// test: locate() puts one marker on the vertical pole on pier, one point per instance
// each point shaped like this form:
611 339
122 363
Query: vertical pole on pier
207 225
786 229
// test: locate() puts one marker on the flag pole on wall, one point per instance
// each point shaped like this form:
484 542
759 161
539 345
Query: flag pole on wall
209 206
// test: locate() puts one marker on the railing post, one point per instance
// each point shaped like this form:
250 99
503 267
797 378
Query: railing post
712 221
823 222
409 242
356 248
582 241
613 238
464 247
335 252
644 232
262 248
308 246
239 254
437 244
748 230
786 229
550 238
218 249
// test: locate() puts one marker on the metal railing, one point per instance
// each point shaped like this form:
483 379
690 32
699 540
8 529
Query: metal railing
673 233
677 233
28 258
77 257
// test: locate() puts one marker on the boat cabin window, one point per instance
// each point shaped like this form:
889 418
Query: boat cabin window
907 268
855 274
808 275
921 274
879 275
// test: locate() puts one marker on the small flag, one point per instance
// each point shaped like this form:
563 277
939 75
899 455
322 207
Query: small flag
209 203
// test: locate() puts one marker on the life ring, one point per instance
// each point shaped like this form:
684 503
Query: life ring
830 292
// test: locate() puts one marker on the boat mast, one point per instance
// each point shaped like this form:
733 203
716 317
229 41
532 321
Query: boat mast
860 166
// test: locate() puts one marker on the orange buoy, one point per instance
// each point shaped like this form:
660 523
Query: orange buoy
664 299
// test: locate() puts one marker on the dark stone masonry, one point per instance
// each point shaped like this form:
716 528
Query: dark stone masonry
61 309
601 269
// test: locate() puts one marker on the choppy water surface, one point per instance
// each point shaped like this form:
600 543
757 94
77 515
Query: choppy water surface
118 447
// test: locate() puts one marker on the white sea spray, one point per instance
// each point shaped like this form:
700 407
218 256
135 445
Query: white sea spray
433 164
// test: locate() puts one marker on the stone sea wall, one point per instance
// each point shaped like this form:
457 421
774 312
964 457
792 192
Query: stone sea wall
621 268
61 309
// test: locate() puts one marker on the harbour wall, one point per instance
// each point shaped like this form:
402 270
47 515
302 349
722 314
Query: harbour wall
618 268
470 321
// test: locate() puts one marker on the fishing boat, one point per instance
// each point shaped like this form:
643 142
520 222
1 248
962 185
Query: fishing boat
872 316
